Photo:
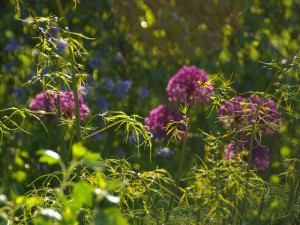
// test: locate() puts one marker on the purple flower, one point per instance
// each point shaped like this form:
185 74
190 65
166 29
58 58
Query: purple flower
123 88
95 137
103 103
12 46
61 45
96 63
189 85
18 94
8 66
240 112
260 158
145 93
268 118
84 92
120 58
164 152
109 85
120 152
159 119
237 112
42 102
53 32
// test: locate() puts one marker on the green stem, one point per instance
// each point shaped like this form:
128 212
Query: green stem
180 164
181 155
150 200
61 130
262 202
74 79
294 191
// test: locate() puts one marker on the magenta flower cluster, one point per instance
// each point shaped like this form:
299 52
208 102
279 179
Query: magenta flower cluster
189 85
260 158
239 113
45 102
159 119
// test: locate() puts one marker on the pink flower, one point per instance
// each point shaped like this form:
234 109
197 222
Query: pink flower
189 85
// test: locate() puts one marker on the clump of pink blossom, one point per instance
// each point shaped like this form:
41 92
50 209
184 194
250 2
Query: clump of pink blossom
159 119
260 158
189 85
239 113
47 102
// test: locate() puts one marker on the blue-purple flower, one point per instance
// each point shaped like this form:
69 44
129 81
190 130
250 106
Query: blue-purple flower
12 46
61 45
96 62
164 152
109 85
103 103
145 93
120 58
123 88
8 66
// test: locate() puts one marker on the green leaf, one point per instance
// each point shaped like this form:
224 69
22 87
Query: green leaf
109 216
19 176
82 195
78 150
48 156
91 159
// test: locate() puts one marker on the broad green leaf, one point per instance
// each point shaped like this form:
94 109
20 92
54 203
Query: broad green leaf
48 156
82 195
78 150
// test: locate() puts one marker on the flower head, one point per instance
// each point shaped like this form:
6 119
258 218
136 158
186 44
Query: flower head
61 45
45 101
123 88
260 158
159 119
164 152
12 46
189 85
96 62
239 112
109 85
268 118
145 93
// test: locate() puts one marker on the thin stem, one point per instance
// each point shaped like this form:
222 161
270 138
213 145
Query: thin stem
61 130
294 191
74 79
262 202
150 200
182 153
180 164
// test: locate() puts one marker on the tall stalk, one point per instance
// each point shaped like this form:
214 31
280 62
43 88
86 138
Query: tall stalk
181 155
74 79
61 129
